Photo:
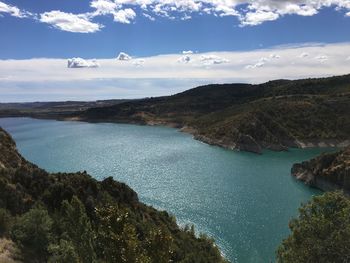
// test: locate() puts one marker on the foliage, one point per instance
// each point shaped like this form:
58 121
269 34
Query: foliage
32 231
5 221
321 233
77 231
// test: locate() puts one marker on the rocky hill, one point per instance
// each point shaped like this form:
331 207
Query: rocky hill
329 171
75 218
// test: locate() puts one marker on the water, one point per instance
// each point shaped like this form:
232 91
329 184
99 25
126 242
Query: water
243 200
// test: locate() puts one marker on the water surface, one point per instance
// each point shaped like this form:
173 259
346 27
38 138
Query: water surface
241 199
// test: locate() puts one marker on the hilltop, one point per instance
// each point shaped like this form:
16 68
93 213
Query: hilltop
71 217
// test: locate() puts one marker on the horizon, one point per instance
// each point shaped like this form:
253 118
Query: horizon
141 98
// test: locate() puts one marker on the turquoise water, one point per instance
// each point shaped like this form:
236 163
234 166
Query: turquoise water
241 199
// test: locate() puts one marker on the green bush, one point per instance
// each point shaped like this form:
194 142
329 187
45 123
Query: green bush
321 233
32 231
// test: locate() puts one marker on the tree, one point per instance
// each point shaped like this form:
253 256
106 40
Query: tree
32 231
117 239
64 252
77 230
5 219
321 233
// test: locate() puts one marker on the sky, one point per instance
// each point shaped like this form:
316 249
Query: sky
103 49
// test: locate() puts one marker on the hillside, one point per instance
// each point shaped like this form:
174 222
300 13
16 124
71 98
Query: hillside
74 218
329 171
274 115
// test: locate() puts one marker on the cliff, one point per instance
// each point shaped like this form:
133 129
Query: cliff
329 171
55 217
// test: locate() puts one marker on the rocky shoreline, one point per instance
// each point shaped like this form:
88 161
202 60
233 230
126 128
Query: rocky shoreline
327 172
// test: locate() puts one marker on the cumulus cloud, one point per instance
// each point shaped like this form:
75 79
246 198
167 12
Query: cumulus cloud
247 12
124 16
123 56
82 63
212 60
70 22
262 61
13 10
184 59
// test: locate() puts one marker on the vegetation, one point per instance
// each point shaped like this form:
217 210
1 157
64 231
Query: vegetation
72 217
321 233
274 115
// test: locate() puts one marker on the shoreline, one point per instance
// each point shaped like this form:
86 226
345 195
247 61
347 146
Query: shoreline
250 144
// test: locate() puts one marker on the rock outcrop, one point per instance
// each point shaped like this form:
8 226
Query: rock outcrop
329 171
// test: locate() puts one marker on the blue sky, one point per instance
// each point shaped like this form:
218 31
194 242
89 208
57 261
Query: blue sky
217 32
27 37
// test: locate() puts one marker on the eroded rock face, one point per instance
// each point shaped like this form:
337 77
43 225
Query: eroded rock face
327 172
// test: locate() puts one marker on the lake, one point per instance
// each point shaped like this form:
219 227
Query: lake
243 200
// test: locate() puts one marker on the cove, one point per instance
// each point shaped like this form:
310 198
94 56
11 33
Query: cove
243 200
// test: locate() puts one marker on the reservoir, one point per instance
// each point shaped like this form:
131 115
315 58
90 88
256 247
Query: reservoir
243 200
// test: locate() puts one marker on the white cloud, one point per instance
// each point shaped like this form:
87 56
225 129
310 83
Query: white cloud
139 62
124 16
82 63
348 58
103 7
303 55
275 56
184 59
321 58
212 60
258 17
248 12
235 68
252 13
261 62
149 17
70 22
123 56
187 52
13 10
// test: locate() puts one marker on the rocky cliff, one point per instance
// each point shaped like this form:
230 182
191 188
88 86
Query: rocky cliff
329 171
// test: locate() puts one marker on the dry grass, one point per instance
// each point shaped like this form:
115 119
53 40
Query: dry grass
9 252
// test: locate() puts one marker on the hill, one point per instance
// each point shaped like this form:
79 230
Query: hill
71 217
274 115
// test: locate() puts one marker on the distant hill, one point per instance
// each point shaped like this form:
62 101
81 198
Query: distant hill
329 171
71 217
274 115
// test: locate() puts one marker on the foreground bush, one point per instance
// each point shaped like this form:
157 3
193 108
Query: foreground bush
321 233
